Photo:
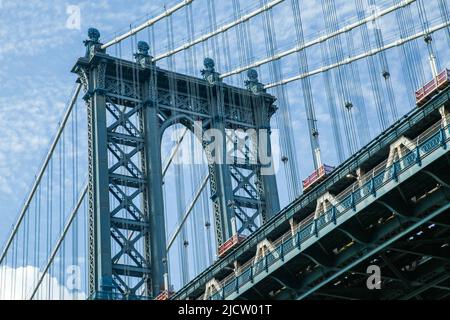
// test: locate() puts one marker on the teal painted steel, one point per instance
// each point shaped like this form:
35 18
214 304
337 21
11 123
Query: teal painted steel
130 104
410 121
431 150
385 180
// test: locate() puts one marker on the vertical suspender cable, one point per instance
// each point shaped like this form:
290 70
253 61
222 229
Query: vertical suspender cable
433 59
385 71
332 107
212 26
409 54
374 80
306 87
179 174
14 267
39 176
362 124
445 16
240 43
331 23
283 116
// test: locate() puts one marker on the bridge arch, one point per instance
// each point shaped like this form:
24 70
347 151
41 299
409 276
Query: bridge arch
130 106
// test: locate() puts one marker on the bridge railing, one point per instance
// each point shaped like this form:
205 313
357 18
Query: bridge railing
430 140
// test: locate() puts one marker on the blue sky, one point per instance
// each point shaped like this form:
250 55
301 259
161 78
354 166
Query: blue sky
36 56
37 51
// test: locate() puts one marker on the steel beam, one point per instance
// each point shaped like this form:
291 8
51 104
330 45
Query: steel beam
397 273
423 253
425 287
99 193
376 250
280 221
155 199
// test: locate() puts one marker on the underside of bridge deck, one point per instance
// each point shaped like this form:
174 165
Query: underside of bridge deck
405 234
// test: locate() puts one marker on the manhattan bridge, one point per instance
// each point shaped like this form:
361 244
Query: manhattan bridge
155 186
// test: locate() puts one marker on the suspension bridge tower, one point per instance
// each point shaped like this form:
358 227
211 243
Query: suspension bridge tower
130 104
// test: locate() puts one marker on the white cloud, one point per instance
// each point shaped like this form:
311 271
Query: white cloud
19 283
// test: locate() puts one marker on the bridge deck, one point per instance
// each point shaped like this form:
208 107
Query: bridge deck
359 222
367 158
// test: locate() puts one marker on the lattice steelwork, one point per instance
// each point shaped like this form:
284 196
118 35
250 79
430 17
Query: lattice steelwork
130 104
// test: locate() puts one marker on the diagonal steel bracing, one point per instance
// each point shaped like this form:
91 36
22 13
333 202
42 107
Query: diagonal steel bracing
130 105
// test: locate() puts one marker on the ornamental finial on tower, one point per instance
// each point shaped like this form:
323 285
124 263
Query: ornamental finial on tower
252 74
209 73
92 43
209 64
142 56
143 47
93 34
253 83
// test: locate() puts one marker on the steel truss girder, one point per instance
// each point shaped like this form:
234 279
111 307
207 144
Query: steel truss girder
128 257
375 248
425 287
117 190
358 293
338 268
303 204
422 279
369 247
355 232
320 259
439 180
363 293
129 262
397 273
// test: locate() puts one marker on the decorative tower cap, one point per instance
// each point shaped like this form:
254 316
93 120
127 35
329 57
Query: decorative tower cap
252 75
92 43
143 48
209 73
253 83
209 64
93 34
142 56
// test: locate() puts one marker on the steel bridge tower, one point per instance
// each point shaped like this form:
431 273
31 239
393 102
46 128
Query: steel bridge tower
130 104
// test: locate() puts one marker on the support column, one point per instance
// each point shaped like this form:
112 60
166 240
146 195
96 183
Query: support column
154 194
223 193
262 110
220 179
99 193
